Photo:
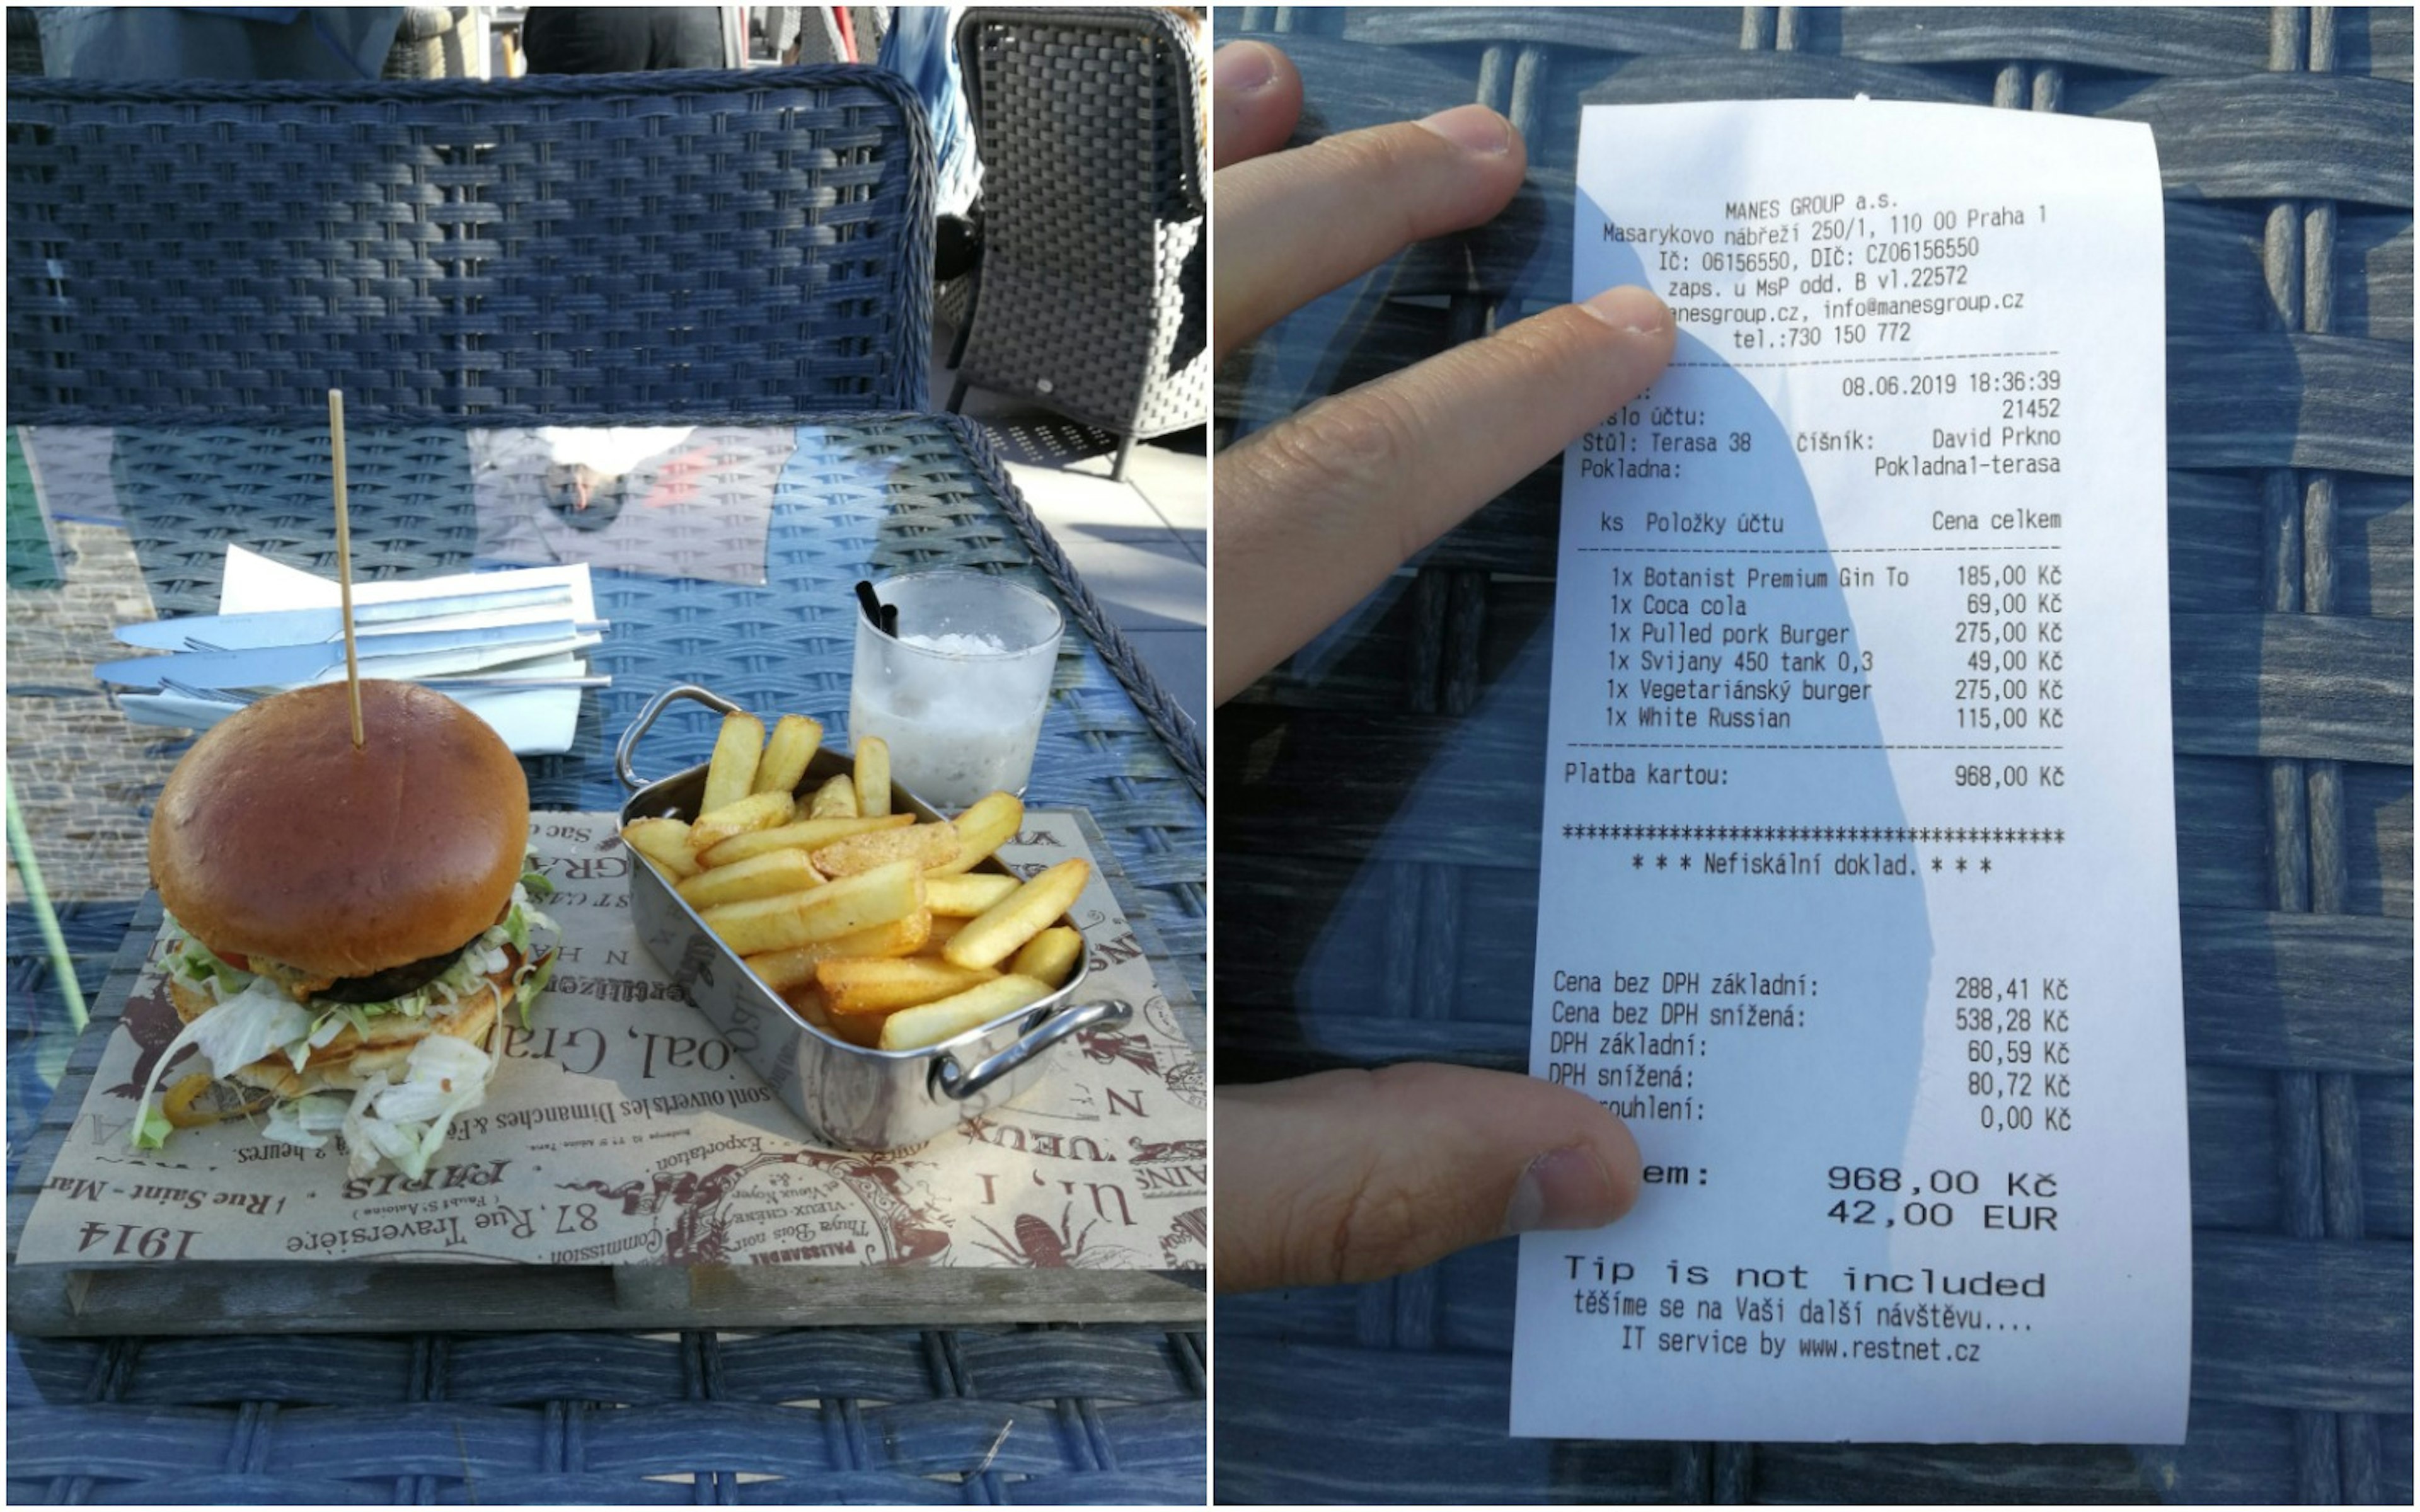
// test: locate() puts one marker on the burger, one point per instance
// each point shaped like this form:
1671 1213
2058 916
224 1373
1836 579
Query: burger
346 926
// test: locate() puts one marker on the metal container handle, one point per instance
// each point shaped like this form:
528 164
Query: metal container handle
630 741
961 1085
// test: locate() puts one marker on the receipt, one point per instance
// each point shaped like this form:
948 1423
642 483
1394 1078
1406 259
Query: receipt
1858 891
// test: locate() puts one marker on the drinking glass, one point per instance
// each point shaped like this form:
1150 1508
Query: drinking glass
959 692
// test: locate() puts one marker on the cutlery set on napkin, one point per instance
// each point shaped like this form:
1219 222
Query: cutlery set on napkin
507 645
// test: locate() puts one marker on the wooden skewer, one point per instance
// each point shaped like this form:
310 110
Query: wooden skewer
345 560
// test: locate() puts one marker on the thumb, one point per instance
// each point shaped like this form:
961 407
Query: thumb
1353 1175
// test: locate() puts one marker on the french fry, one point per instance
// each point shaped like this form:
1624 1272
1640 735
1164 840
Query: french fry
837 908
911 1029
784 969
872 772
835 800
786 755
963 897
1049 955
764 876
944 929
990 821
927 845
758 811
874 927
996 931
788 970
857 1028
806 835
733 772
664 841
879 986
809 1004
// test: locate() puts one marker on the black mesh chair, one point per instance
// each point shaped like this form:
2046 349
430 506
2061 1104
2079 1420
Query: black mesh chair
1092 295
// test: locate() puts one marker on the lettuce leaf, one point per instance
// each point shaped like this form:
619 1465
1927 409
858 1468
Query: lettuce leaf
196 963
403 1121
438 1068
366 1138
334 1019
306 1122
482 957
151 1131
232 1035
527 989
249 1026
407 1122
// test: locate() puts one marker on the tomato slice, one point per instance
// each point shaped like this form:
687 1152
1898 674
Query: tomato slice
241 963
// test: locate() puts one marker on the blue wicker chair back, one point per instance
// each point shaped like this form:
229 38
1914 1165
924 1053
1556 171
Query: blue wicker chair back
575 247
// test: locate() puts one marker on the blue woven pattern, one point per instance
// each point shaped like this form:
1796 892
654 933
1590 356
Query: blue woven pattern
36 1003
1108 1414
754 243
2285 144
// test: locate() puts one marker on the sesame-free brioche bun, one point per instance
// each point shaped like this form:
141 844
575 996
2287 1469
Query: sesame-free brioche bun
276 838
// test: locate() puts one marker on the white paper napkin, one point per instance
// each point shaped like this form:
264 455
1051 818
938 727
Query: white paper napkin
540 722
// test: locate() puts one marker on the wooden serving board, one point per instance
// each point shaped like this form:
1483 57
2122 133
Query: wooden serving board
158 1294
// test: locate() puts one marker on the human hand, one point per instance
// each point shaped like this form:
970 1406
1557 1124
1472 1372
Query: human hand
1314 511
1352 1175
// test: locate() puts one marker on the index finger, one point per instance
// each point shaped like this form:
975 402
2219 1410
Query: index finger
1256 97
1292 226
1317 510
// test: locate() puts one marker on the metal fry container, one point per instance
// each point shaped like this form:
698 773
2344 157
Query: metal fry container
848 1096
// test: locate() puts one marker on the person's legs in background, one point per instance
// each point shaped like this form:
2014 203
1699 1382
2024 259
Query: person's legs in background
621 39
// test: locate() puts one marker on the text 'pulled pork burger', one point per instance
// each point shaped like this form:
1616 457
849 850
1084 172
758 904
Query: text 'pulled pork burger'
346 926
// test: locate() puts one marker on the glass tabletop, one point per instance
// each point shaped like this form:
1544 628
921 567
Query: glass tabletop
1379 794
720 555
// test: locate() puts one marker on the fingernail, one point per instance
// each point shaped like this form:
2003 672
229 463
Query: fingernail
1565 1188
1242 67
1473 128
1630 308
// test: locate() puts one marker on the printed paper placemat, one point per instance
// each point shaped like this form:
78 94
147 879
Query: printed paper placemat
621 1129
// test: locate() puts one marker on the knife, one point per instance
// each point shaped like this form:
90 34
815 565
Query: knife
400 655
302 627
195 711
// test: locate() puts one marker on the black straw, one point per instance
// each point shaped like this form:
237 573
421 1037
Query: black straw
890 620
876 614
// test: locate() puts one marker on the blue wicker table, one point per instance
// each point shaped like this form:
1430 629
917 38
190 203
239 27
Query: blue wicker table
1379 800
1110 1413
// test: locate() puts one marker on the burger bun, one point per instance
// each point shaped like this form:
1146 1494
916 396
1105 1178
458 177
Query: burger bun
275 836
